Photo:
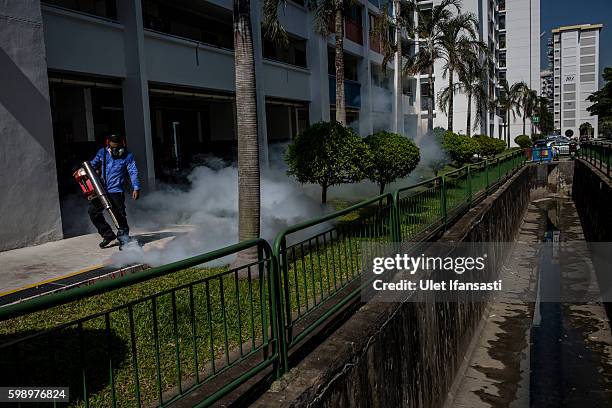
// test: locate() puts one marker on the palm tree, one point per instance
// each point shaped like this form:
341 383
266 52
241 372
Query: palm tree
246 106
528 100
431 36
459 44
248 143
472 82
326 11
509 102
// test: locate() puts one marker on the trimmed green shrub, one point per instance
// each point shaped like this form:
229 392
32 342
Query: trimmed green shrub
460 148
523 141
328 154
489 146
393 156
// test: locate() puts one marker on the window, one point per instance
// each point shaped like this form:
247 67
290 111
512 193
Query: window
587 41
587 69
569 88
569 96
587 50
203 21
100 8
590 59
293 53
569 123
587 78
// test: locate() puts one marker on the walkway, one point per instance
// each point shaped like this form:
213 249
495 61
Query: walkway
46 263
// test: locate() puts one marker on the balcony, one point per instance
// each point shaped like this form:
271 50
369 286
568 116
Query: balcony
352 92
353 31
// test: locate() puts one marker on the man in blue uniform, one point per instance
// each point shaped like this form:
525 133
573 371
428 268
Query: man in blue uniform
114 163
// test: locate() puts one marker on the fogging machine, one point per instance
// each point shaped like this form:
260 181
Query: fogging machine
92 187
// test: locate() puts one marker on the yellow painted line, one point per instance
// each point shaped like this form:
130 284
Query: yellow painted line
33 285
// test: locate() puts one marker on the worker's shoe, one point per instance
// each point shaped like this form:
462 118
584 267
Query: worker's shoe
106 242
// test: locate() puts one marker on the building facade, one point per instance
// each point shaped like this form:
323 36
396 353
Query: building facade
161 72
576 76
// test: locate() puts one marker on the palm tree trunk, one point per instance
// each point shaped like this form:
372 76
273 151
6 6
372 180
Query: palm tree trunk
451 96
340 102
469 115
248 143
430 102
399 91
524 122
508 128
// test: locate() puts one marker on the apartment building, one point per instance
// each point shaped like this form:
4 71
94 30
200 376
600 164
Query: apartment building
576 76
161 72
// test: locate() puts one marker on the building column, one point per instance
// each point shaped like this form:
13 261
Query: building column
365 79
30 207
136 91
262 129
316 55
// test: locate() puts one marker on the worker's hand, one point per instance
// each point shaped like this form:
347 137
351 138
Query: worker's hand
135 194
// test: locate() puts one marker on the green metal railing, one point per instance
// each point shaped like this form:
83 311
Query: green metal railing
151 340
599 154
155 348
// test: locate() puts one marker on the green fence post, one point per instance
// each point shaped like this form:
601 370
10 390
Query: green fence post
443 201
607 161
469 185
279 252
394 218
486 176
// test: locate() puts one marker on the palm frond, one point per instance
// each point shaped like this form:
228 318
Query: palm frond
272 28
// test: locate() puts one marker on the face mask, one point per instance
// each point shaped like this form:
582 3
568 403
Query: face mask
117 152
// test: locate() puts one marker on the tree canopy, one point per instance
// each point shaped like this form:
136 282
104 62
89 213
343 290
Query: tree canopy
328 154
393 156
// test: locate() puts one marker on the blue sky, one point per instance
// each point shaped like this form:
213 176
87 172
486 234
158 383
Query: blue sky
555 13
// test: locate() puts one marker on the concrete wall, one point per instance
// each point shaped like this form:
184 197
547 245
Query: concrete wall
407 354
592 193
29 208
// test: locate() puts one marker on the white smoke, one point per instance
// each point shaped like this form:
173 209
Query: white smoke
210 207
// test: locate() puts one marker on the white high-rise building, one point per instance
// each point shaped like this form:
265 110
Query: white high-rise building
511 30
576 74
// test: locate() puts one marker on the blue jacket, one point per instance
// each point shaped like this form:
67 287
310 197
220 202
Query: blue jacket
116 170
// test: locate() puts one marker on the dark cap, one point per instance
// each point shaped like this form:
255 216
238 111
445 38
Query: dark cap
115 138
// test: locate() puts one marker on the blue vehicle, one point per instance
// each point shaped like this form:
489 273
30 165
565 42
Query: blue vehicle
542 151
